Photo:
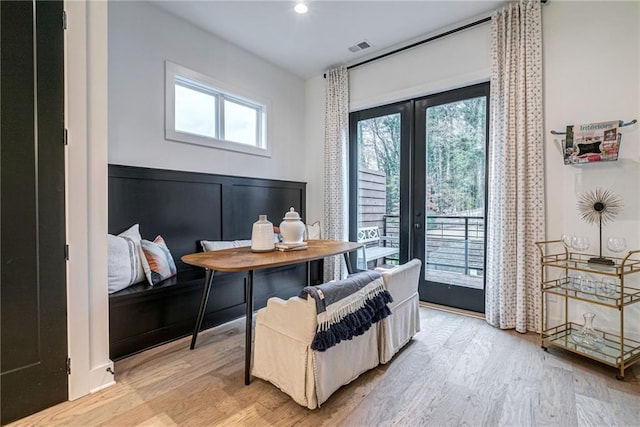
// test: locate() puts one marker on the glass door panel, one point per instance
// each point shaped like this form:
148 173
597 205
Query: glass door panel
451 140
376 158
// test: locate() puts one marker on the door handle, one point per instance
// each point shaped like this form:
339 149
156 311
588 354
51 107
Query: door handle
417 226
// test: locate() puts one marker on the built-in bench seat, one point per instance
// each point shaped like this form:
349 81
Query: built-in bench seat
184 208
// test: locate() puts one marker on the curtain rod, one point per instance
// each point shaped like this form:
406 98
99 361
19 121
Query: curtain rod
427 40
418 43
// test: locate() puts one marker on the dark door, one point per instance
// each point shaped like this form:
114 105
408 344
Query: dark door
33 330
451 131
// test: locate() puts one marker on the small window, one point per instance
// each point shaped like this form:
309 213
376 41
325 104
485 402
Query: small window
199 111
195 111
240 122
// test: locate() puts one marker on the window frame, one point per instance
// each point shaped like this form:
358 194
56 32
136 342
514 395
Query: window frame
178 75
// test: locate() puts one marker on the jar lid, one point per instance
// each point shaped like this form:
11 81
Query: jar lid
292 214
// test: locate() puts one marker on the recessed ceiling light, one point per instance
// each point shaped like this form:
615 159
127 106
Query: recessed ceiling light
301 8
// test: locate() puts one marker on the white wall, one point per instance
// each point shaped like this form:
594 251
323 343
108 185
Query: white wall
141 38
591 74
458 60
314 130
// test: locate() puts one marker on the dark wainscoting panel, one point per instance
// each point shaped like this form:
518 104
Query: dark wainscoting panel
247 201
182 207
186 207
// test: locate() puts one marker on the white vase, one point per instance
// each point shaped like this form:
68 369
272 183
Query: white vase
262 236
292 228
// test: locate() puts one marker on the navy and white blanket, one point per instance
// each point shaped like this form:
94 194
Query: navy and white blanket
347 308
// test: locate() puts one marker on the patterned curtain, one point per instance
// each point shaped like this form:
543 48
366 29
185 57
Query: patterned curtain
336 134
516 169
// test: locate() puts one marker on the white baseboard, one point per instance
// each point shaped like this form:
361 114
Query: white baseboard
101 378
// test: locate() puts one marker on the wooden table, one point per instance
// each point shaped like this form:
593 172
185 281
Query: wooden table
242 259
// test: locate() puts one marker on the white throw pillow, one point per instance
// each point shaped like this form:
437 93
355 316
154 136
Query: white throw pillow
124 261
218 245
313 231
241 243
215 245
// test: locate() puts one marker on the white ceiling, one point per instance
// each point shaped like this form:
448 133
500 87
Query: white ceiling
308 45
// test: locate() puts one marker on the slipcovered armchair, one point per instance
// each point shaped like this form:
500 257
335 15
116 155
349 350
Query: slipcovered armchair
397 329
286 341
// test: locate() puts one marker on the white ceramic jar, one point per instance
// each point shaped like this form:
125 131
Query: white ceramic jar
292 228
262 236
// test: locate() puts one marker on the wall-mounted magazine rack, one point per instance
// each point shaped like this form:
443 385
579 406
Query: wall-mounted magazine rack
621 123
592 142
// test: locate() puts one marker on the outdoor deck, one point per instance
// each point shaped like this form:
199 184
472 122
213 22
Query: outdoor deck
456 279
455 250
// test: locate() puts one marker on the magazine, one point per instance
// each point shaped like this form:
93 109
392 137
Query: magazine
592 142
291 246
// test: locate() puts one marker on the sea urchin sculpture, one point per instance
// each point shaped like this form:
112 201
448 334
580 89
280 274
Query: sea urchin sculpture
598 207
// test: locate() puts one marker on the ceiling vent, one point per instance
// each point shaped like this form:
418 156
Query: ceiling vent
359 46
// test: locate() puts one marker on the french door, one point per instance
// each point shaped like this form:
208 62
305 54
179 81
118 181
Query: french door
449 194
418 173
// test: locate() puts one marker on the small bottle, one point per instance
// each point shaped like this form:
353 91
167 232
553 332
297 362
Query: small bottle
262 236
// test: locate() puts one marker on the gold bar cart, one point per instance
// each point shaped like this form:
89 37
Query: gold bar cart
617 350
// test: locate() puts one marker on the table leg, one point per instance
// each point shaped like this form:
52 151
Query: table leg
208 280
347 260
248 328
308 273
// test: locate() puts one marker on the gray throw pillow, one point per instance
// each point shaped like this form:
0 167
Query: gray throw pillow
124 259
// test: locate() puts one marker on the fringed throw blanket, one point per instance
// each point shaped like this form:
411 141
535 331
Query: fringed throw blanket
347 308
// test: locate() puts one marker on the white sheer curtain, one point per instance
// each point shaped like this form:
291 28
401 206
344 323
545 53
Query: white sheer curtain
336 134
516 168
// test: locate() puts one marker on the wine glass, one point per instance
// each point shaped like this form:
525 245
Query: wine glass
575 280
588 285
616 244
580 243
606 288
566 240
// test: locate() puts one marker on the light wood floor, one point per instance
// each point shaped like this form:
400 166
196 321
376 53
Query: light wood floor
457 371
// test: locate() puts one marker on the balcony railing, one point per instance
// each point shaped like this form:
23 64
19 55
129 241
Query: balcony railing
453 243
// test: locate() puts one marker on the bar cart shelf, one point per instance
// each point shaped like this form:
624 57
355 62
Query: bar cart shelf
617 350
